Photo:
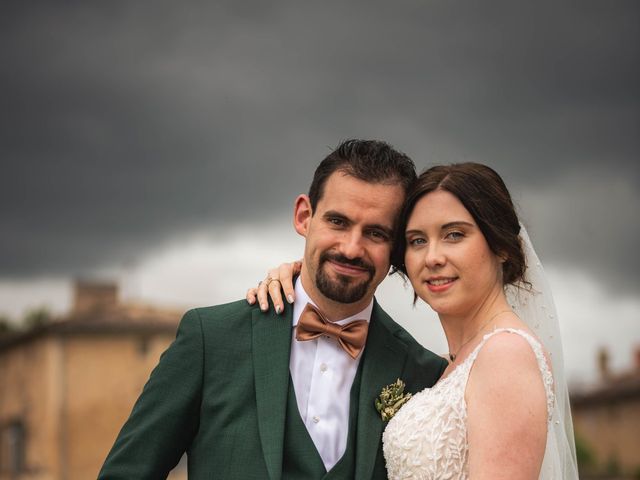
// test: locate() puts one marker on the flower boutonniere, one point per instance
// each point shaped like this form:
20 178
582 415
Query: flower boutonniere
391 399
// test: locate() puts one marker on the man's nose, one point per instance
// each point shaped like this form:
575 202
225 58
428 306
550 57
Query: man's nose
351 246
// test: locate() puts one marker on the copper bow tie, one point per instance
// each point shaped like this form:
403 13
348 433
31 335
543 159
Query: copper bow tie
351 336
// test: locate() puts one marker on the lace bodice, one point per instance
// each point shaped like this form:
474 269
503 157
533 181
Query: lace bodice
427 438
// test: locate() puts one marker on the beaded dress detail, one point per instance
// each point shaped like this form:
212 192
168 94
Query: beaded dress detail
427 438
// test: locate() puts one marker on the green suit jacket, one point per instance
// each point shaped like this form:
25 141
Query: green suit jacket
219 393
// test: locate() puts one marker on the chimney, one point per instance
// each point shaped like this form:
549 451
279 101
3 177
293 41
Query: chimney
603 364
94 295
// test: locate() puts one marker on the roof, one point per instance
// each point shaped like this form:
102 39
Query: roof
618 389
122 319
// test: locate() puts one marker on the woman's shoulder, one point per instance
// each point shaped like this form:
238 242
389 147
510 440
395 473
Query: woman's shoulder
509 341
507 407
508 352
506 379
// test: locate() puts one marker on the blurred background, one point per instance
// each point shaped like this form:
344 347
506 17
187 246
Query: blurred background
151 154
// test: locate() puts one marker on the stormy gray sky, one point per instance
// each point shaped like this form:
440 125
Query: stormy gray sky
131 129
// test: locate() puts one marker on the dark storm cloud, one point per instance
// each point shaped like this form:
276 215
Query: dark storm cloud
124 124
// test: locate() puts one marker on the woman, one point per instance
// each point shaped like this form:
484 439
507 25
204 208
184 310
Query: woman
500 409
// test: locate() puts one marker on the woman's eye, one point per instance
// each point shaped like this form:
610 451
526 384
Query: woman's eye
416 241
455 236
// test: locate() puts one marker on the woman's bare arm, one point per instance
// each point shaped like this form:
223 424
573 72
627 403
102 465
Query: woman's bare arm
506 411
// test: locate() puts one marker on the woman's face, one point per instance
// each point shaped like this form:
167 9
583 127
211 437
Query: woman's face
448 260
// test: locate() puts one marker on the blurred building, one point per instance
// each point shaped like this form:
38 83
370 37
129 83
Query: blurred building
606 418
68 385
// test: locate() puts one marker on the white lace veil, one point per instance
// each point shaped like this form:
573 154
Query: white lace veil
536 308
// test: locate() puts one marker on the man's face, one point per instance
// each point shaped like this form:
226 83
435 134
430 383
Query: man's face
348 240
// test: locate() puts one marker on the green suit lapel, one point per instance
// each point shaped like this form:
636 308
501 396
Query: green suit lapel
383 362
271 349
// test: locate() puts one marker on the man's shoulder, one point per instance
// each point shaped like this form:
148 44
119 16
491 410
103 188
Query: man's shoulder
239 309
393 328
414 348
241 306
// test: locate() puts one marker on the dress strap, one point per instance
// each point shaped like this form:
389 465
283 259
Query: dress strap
547 377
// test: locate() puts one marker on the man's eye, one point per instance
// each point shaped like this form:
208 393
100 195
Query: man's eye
336 221
378 235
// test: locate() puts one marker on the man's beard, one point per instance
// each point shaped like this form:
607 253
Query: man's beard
342 290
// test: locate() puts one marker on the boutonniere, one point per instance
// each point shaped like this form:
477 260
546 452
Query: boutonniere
391 399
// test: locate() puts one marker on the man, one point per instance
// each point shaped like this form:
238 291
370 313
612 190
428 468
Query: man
253 395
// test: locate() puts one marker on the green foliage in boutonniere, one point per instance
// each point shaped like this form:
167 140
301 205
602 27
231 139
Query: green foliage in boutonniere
391 399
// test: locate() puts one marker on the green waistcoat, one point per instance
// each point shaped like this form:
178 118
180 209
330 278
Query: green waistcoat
301 460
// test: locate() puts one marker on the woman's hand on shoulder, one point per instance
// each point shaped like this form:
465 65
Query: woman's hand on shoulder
506 411
279 280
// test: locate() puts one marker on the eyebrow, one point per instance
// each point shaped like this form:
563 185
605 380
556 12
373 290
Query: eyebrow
333 214
458 223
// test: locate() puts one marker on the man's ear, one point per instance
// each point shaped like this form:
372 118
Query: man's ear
302 213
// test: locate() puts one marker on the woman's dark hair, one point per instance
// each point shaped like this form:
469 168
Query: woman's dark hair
485 196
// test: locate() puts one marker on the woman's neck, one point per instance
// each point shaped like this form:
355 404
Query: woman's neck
461 329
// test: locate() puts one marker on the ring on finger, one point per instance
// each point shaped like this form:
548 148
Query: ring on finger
271 279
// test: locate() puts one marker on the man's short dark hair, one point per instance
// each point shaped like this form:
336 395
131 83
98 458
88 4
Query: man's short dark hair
372 161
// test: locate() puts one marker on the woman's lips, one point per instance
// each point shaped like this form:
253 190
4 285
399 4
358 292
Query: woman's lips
440 284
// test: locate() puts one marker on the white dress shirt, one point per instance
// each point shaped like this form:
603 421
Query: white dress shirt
322 374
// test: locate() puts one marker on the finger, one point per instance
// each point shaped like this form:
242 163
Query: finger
285 274
251 295
276 295
262 295
297 267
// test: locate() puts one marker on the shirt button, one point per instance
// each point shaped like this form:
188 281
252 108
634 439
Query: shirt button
323 367
316 419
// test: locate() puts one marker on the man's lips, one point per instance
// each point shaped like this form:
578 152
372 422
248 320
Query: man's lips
352 267
346 269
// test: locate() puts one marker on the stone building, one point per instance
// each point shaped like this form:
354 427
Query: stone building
606 418
67 386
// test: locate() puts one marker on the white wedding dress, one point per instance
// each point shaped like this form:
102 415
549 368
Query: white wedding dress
427 438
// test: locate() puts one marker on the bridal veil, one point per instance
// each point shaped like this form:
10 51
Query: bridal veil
534 305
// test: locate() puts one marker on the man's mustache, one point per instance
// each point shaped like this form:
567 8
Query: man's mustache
355 262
